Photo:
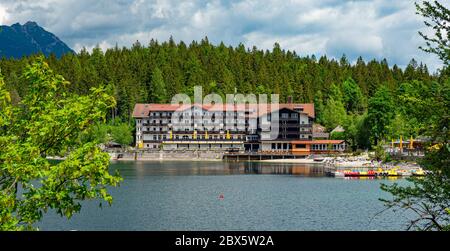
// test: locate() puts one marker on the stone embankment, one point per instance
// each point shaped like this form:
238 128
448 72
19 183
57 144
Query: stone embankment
168 155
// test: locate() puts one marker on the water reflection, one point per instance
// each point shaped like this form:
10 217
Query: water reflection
141 168
292 169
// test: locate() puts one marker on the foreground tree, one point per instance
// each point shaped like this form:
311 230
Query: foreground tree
438 18
429 197
50 121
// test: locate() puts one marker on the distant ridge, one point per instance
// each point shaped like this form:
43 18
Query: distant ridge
19 40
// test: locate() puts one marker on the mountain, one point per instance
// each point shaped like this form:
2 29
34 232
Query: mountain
22 40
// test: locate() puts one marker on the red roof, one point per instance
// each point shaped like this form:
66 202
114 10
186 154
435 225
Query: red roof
143 110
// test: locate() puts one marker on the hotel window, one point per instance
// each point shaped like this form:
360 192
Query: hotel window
300 146
285 115
294 115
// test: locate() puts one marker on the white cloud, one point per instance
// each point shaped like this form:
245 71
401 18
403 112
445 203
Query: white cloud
104 45
302 44
3 15
371 28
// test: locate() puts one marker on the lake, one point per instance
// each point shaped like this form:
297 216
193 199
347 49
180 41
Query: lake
233 196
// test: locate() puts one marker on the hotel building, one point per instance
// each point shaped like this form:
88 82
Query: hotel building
284 128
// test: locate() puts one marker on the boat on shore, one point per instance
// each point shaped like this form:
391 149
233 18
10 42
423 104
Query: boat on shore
394 172
419 172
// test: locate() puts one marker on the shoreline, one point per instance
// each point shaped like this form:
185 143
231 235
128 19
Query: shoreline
337 163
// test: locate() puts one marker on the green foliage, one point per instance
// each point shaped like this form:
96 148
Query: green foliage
98 132
380 113
428 105
357 132
427 198
49 122
121 133
438 18
157 71
352 96
380 153
398 127
159 93
338 135
363 132
334 114
104 133
319 107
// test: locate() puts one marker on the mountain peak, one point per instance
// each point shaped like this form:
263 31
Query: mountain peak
31 24
23 40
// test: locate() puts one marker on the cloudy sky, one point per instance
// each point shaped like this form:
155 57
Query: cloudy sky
370 28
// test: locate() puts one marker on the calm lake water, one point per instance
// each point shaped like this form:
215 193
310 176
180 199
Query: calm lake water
233 196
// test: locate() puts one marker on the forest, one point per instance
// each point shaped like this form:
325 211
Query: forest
372 100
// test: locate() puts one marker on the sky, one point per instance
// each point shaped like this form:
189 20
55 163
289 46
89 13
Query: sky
373 29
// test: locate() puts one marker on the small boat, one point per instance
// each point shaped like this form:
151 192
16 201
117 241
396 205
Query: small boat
405 173
338 174
392 172
351 173
371 173
418 172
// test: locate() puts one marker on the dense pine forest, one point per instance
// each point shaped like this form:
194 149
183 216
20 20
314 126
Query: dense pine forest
371 100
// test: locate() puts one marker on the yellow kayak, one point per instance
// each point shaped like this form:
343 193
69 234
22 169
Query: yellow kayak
419 172
392 173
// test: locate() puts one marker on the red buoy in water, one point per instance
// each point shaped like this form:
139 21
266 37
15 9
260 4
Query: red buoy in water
221 197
